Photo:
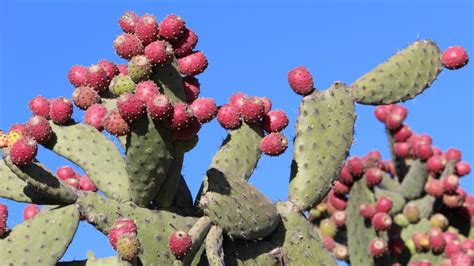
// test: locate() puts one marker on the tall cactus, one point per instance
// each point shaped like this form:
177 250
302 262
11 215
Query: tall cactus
151 108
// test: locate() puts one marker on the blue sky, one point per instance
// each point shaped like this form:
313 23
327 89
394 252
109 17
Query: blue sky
250 47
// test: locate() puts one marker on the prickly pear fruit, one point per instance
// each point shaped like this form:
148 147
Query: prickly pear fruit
85 97
39 105
381 221
188 132
139 68
181 117
97 78
275 121
252 110
61 110
39 129
454 57
128 21
77 75
115 124
65 172
159 107
192 64
95 115
30 211
204 109
367 210
383 204
301 81
159 52
378 247
191 88
122 226
462 168
130 106
23 151
172 27
228 116
186 43
86 184
147 29
127 46
146 90
121 84
110 68
274 144
180 244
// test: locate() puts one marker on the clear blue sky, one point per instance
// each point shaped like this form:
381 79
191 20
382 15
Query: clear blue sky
250 47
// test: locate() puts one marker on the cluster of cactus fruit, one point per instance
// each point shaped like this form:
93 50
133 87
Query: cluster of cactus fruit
151 105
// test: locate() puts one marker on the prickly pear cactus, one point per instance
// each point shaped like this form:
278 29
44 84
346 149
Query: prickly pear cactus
133 190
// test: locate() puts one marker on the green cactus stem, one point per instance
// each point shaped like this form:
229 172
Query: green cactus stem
214 242
198 234
169 187
169 80
413 184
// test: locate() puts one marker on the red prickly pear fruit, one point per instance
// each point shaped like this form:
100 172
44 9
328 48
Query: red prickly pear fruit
462 168
399 110
85 97
355 165
367 211
146 90
434 188
440 221
345 176
159 107
381 221
86 184
452 248
425 138
128 21
341 252
159 52
437 151
128 247
237 99
425 263
61 110
436 163
95 115
453 154
274 144
423 151
275 121
204 109
454 57
267 104
467 244
394 121
188 132
77 75
115 124
301 80
340 188
383 204
193 64
339 218
450 183
123 69
374 155
339 203
110 68
402 149
40 106
378 247
121 227
328 243
39 129
381 112
373 176
147 29
97 78
130 106
252 110
17 132
127 46
172 27
30 211
181 117
65 172
228 116
23 151
437 242
412 212
421 241
186 43
327 227
461 259
180 244
72 182
454 200
191 88
402 134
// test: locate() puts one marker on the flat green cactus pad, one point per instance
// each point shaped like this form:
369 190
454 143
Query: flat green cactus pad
413 184
241 252
93 261
405 75
41 240
169 187
214 242
169 80
324 133
95 154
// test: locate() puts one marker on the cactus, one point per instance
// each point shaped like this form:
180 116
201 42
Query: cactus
144 204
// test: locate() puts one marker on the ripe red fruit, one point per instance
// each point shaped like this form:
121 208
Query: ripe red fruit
123 69
421 241
204 109
30 211
423 151
65 172
130 106
128 21
94 116
237 99
402 134
355 165
121 227
192 64
345 176
72 182
267 104
181 117
452 247
436 164
434 188
77 75
3 219
188 132
460 259
228 116
338 202
39 129
86 184
394 121
340 188
367 210
462 168
381 112
97 78
454 57
159 52
383 204
146 90
275 121
381 221
450 183
274 144
301 80
328 243
61 110
373 176
40 106
186 43
110 68
127 46
453 154
191 88
454 200
85 97
180 244
159 107
402 149
252 110
437 242
339 218
23 151
378 247
172 27
147 29
115 124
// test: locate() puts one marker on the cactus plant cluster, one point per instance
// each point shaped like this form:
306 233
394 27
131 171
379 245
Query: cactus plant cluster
133 190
